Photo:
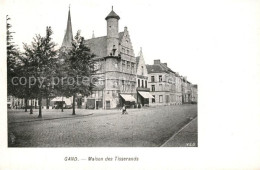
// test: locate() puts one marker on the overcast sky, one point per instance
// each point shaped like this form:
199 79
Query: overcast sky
182 33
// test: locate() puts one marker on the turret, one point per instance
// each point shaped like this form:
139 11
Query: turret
112 33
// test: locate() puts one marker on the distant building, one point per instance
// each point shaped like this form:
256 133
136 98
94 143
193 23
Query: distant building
161 81
178 89
186 91
194 93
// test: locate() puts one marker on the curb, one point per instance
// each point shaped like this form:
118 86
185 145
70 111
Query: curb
43 119
178 132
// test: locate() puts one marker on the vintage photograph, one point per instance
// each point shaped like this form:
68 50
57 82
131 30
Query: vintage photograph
98 90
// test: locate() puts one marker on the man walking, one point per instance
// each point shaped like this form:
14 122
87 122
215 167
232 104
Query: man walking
124 110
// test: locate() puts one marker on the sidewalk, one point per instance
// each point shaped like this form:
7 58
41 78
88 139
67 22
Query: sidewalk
19 115
186 137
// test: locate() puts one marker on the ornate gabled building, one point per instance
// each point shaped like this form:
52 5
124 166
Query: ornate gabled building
116 65
142 90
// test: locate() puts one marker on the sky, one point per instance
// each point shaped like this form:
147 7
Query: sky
184 34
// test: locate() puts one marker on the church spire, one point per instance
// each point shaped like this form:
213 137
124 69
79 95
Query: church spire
141 52
93 35
68 35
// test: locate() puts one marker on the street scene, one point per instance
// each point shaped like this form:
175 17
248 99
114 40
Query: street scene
166 126
95 92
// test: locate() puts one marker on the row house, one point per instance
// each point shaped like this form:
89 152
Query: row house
142 90
186 91
161 81
194 93
168 87
178 87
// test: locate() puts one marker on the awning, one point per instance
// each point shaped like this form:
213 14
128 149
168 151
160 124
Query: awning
56 99
145 95
128 97
65 99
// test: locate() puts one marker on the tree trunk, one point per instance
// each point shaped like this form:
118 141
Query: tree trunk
47 102
40 107
73 105
62 103
31 110
26 104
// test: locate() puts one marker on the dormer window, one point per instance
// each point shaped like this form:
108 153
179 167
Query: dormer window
126 41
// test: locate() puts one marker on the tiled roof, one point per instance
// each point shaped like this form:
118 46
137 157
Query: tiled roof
158 68
112 14
98 45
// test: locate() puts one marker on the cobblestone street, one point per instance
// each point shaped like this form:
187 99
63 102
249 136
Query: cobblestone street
140 128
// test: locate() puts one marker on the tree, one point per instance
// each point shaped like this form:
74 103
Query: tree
79 71
61 71
42 58
12 58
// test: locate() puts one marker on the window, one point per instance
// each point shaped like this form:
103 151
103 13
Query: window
153 87
123 64
160 98
142 83
153 99
133 87
145 83
160 78
160 87
167 98
138 82
142 70
123 85
133 67
152 78
123 50
128 65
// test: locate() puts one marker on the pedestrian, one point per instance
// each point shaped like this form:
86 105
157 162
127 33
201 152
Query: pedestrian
124 110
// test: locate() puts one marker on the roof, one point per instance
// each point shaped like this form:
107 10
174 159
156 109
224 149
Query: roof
120 34
158 68
112 14
98 45
68 35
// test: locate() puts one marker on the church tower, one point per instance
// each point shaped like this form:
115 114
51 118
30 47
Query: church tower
112 34
68 34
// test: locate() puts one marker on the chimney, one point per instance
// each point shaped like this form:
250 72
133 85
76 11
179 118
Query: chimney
157 62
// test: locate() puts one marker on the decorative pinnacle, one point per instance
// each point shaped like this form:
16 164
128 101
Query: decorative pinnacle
112 7
69 6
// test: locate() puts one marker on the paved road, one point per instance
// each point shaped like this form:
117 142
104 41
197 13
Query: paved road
140 128
186 137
